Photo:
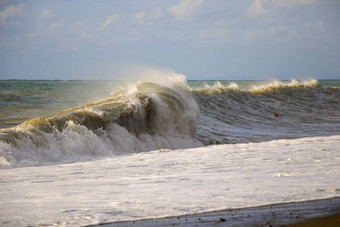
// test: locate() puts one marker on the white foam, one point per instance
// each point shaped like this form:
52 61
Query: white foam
291 83
172 125
171 182
77 143
162 76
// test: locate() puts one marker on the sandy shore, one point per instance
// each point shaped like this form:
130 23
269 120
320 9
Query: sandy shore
326 221
324 212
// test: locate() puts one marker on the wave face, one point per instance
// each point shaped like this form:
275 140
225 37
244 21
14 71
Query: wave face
144 117
273 111
148 116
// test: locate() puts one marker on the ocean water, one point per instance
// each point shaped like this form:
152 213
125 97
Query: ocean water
89 152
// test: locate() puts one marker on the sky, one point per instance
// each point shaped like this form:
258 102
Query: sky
202 39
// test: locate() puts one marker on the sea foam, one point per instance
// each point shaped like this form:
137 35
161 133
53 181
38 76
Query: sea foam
144 117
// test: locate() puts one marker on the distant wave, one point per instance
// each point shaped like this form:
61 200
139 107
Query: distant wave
276 110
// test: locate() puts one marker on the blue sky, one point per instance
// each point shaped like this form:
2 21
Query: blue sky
203 39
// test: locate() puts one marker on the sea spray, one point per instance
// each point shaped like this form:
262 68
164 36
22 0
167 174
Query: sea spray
166 114
145 117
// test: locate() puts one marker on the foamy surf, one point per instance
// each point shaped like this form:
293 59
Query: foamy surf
164 148
166 182
169 114
144 117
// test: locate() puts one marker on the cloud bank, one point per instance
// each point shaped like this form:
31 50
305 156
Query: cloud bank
185 8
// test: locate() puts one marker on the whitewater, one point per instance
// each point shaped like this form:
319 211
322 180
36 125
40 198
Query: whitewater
90 152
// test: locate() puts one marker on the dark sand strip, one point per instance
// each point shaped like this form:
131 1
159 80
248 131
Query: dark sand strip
326 221
321 212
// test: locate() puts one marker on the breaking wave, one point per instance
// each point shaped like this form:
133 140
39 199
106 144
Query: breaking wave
149 116
276 110
144 117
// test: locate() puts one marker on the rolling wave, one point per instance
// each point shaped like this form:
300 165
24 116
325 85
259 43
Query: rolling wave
274 111
144 117
148 116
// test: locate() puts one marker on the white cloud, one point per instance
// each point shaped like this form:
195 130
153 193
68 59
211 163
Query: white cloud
317 25
149 16
11 11
185 8
46 14
292 3
109 20
256 9
140 16
261 7
55 26
278 33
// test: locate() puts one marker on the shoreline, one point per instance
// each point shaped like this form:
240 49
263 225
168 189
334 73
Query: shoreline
322 212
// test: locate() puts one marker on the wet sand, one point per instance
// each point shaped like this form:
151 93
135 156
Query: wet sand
326 221
324 212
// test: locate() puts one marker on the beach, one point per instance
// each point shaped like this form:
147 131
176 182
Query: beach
311 213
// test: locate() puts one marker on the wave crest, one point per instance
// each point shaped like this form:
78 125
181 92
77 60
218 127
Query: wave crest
277 86
144 117
272 86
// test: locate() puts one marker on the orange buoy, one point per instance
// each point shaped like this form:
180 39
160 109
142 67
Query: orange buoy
276 115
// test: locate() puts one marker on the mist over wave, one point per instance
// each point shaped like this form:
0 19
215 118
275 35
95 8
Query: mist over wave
167 113
143 117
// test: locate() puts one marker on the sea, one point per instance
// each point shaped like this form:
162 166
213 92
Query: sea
75 153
